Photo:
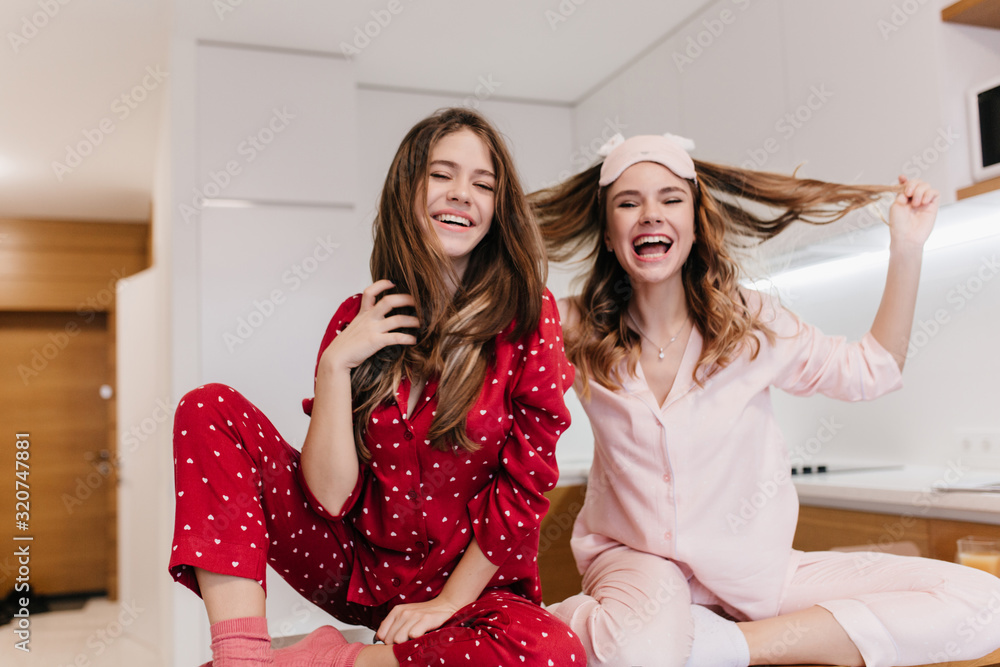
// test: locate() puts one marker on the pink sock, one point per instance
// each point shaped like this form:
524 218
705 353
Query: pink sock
245 642
323 647
241 642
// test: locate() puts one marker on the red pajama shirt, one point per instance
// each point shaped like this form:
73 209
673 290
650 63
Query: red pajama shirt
242 503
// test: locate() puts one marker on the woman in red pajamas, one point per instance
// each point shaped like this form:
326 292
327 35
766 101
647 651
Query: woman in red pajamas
415 504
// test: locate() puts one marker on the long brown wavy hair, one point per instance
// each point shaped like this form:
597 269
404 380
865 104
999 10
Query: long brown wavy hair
456 339
573 219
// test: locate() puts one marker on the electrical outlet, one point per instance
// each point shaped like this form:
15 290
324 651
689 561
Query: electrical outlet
980 447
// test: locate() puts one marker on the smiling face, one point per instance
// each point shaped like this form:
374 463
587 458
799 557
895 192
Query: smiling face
461 186
650 222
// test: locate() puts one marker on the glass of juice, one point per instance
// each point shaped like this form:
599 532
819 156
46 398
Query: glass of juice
982 553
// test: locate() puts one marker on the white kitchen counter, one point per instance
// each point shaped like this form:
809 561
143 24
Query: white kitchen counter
905 490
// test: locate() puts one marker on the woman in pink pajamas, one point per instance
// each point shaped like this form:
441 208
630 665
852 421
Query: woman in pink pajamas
415 504
690 509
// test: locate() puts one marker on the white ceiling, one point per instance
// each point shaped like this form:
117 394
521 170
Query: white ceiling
71 69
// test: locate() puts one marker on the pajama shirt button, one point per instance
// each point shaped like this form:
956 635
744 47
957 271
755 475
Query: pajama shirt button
419 545
396 582
412 494
408 435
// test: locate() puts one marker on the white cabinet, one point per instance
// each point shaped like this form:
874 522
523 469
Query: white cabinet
881 114
270 278
275 126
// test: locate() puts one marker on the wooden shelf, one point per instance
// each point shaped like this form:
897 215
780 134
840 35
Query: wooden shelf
979 188
983 13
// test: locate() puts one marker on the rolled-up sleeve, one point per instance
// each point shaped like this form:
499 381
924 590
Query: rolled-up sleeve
344 315
831 365
513 505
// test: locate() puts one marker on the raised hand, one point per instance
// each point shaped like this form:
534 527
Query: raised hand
912 215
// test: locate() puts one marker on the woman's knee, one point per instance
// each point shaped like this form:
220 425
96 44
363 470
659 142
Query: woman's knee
204 412
208 395
636 580
638 612
558 644
656 630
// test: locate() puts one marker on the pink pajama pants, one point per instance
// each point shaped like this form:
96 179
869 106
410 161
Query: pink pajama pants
635 607
240 506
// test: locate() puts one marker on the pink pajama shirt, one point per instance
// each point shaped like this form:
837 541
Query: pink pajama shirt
242 503
692 500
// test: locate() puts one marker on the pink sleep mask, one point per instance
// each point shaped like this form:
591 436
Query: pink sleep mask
669 150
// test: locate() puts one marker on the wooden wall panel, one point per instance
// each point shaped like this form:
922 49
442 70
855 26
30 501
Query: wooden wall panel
73 266
822 529
945 534
556 566
67 265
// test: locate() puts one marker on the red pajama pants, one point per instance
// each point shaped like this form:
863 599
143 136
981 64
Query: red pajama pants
240 507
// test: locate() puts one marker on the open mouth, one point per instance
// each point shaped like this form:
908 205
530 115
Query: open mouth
456 220
652 246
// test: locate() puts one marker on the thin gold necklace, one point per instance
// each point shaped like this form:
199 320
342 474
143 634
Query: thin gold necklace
660 347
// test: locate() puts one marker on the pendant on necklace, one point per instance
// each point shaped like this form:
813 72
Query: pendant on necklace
661 353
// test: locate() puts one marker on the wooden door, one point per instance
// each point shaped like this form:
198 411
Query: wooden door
52 368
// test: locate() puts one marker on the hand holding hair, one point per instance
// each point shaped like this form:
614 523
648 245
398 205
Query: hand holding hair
373 328
912 215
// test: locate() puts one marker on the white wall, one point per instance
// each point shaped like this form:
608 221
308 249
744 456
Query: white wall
145 416
893 83
144 422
